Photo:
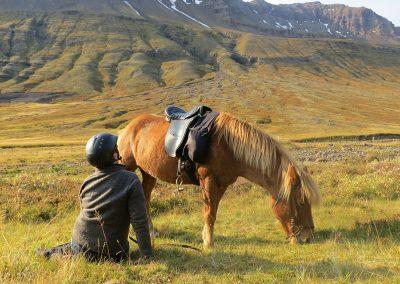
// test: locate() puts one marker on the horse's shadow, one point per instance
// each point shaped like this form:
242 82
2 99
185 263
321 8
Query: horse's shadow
381 230
218 263
195 238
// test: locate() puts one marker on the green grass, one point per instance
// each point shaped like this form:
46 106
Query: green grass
120 68
357 237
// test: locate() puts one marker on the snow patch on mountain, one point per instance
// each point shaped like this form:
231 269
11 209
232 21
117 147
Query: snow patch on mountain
173 7
130 6
165 6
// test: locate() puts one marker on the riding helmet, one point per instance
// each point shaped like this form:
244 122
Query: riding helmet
100 150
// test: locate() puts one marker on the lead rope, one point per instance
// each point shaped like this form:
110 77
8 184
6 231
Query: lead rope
172 245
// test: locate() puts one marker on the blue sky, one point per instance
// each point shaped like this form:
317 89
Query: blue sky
389 9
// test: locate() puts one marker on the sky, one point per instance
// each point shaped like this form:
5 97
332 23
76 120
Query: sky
389 9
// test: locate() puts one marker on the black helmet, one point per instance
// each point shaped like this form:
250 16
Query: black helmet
100 150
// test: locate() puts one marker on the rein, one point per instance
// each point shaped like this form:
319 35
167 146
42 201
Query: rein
172 245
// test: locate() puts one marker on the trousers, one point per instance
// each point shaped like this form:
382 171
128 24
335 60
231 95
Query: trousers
72 248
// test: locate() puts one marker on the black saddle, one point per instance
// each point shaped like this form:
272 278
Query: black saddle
176 113
180 123
188 137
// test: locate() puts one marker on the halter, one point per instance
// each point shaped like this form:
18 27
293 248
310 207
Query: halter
295 227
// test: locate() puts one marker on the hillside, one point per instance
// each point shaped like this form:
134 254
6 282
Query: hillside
78 70
300 20
82 53
293 88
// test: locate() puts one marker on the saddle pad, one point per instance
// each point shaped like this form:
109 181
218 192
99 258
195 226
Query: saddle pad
197 145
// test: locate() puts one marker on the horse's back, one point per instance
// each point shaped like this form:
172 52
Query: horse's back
142 144
129 136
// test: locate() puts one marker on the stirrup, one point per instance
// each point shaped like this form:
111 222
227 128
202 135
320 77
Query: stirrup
179 182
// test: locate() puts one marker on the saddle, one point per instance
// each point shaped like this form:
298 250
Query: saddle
180 123
188 137
176 113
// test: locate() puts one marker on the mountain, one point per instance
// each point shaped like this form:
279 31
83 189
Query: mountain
98 6
70 68
117 47
302 20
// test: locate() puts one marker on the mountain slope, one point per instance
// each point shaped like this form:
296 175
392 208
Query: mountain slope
98 6
302 20
82 53
336 20
115 64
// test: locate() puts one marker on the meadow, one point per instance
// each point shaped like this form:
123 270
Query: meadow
84 74
357 224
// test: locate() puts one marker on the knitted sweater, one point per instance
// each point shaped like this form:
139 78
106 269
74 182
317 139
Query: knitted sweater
110 200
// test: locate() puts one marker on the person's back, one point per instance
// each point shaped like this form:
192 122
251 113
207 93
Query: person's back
111 199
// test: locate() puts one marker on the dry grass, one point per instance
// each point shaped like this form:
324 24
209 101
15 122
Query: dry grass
299 106
291 88
358 218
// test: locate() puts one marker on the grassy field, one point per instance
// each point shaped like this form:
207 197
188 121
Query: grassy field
357 236
115 68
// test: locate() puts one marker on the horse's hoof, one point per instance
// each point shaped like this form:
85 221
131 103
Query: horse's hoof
154 233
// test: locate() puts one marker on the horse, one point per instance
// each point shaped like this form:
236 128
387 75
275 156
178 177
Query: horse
236 149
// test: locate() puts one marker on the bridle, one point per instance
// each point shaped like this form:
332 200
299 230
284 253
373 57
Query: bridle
295 226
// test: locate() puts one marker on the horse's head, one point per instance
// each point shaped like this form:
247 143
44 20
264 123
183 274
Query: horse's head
294 208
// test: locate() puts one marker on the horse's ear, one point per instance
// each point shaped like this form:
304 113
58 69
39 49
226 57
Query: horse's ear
292 174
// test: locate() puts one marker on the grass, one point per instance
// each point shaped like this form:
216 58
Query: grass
175 72
357 237
293 89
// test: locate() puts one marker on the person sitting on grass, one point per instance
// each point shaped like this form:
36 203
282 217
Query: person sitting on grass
110 200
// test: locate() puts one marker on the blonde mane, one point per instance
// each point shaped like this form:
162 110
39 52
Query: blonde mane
265 154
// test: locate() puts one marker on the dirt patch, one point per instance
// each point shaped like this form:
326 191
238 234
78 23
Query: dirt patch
369 137
44 98
347 153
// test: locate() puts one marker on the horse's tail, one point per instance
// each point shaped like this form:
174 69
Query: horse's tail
309 188
125 142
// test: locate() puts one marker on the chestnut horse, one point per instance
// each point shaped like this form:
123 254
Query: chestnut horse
237 149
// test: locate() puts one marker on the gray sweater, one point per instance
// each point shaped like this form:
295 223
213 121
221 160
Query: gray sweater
110 200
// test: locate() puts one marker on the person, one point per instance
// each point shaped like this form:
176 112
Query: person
110 200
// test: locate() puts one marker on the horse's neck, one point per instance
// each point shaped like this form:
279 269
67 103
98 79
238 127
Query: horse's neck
258 178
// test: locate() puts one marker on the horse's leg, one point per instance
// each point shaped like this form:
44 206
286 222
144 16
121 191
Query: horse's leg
212 194
148 184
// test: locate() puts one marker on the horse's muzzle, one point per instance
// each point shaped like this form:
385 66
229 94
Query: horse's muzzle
302 238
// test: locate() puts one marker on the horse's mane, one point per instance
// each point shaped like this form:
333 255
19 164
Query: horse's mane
261 151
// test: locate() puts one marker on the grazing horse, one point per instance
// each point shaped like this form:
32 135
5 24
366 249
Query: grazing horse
236 149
